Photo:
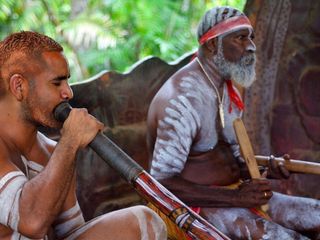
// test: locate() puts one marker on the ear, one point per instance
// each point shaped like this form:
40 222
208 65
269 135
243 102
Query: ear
17 86
212 46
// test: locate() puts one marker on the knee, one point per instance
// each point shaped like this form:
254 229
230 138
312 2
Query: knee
151 225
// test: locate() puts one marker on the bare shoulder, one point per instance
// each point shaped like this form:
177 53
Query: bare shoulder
160 101
169 90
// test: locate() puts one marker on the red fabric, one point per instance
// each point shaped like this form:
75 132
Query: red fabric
225 26
260 213
234 97
196 209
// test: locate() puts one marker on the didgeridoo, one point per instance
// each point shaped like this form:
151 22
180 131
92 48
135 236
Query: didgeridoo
149 188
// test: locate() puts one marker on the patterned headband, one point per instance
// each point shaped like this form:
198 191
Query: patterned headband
226 26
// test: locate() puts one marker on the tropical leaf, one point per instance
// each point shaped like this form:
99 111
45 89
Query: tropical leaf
110 34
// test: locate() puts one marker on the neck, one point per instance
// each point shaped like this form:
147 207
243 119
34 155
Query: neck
209 66
15 132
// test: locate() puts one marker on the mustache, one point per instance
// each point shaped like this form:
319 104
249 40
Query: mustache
247 60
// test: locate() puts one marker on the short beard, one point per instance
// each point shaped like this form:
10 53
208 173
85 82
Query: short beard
242 72
35 113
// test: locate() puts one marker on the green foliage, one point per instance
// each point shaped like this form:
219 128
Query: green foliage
111 34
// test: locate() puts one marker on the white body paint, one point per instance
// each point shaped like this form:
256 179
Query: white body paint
145 217
68 221
69 224
193 112
157 225
295 214
10 190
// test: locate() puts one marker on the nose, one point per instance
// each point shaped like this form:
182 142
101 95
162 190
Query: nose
251 47
66 92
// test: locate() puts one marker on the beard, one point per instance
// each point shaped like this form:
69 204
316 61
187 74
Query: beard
38 113
242 72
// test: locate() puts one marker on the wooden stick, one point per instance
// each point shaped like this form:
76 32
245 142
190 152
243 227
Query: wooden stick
291 164
149 188
247 151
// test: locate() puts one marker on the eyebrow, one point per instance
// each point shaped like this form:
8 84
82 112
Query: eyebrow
61 78
243 31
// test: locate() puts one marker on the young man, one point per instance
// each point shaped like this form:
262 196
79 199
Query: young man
37 175
193 147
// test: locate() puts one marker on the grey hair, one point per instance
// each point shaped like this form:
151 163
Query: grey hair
215 16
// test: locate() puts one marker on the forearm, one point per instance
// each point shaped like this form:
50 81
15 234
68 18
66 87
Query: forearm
42 197
199 195
250 193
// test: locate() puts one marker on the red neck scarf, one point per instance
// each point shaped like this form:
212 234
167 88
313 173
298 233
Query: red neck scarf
234 97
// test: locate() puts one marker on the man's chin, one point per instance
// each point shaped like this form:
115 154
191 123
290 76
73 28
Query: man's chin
246 83
246 76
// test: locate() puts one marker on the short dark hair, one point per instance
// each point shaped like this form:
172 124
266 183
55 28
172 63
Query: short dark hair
27 43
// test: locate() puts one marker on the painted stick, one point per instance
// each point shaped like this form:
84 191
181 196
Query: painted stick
149 188
247 151
292 165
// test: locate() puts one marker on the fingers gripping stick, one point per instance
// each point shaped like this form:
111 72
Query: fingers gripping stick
105 148
247 151
150 189
299 166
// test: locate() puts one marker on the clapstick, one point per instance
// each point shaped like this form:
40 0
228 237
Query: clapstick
247 151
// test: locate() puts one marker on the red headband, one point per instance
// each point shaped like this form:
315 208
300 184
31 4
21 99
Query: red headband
230 24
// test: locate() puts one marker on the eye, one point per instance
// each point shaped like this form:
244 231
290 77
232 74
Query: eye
57 83
241 37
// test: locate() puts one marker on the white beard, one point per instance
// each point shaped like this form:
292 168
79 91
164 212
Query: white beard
242 72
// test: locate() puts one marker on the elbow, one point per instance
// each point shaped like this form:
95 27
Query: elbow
34 229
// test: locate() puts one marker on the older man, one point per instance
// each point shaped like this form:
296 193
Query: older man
193 147
37 175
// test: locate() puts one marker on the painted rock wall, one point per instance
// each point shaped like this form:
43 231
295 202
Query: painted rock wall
282 107
121 102
282 112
